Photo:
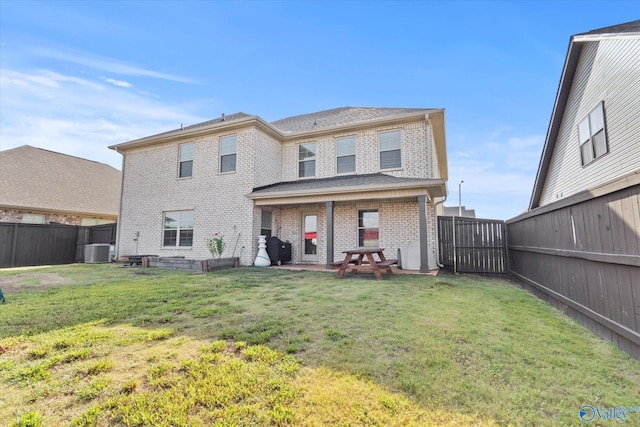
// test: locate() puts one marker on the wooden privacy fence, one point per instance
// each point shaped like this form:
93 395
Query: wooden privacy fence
470 245
582 254
47 244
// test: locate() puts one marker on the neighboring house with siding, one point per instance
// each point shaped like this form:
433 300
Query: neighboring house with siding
594 134
39 186
578 246
326 182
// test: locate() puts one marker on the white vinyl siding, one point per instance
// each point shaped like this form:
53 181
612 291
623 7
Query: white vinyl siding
608 71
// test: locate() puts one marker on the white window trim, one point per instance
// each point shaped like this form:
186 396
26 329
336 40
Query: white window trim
314 159
355 157
178 229
228 154
358 228
380 151
587 119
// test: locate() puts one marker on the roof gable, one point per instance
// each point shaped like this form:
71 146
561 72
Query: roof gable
45 180
574 51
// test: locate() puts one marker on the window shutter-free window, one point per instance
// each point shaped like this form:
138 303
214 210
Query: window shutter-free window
390 144
185 168
307 160
178 228
346 155
228 150
592 135
368 228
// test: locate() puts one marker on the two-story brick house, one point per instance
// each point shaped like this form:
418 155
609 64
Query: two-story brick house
326 182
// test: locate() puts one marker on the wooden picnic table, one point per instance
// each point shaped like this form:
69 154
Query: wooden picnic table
363 259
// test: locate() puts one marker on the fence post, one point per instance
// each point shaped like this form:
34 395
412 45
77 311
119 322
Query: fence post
453 244
14 245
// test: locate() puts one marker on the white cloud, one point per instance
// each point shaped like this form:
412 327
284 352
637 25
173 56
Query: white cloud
119 83
78 116
498 174
104 63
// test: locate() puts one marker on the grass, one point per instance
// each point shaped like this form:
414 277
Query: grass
116 346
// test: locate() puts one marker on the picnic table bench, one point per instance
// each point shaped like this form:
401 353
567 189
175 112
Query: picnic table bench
363 259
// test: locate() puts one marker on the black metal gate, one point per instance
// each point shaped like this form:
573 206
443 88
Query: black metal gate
471 245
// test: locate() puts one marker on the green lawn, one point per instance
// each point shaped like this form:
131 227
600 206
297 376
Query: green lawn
106 345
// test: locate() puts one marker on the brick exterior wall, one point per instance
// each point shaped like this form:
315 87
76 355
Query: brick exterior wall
416 152
151 187
15 215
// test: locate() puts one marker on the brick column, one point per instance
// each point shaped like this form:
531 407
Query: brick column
422 219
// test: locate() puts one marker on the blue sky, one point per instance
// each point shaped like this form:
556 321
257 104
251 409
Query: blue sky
78 76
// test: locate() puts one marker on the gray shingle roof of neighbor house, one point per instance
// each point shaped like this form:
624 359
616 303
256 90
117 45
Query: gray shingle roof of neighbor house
34 178
628 29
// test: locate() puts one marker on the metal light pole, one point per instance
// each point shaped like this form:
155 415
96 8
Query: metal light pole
460 198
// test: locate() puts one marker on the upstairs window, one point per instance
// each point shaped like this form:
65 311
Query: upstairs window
368 228
185 166
592 135
346 155
390 144
228 150
307 160
178 229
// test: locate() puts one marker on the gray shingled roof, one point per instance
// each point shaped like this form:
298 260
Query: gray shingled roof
227 118
627 27
45 180
339 116
371 179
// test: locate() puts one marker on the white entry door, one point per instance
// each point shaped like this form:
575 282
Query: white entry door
309 237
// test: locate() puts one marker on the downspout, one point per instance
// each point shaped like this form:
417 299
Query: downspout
119 223
435 206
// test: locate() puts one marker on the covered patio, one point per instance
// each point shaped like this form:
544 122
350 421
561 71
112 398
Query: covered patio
406 207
